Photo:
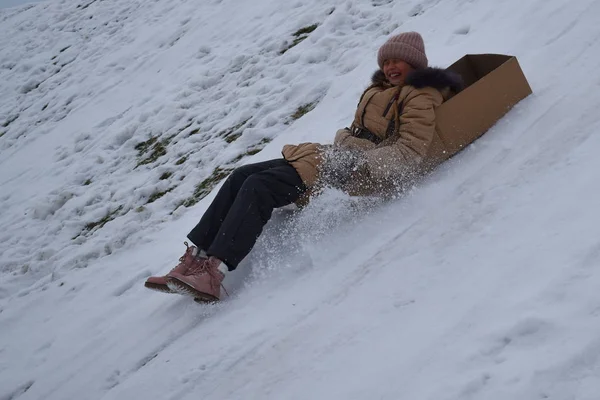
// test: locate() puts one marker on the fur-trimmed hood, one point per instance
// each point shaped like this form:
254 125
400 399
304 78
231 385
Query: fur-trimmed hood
437 78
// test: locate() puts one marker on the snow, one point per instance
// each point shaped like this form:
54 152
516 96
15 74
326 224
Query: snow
479 284
15 3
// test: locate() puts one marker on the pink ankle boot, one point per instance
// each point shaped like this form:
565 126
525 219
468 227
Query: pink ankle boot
159 283
201 281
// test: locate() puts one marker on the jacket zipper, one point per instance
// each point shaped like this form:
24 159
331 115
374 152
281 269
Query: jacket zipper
387 109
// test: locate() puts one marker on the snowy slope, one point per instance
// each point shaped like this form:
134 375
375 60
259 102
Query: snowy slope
480 284
14 3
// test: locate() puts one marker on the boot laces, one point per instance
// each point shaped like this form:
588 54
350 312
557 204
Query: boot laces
206 267
182 258
202 266
187 249
198 267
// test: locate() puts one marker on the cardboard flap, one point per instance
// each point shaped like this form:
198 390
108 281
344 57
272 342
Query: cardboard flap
473 67
494 84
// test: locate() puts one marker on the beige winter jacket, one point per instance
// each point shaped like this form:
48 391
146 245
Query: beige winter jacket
394 127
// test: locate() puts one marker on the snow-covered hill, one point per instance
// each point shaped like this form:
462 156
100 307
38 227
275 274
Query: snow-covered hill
14 3
118 117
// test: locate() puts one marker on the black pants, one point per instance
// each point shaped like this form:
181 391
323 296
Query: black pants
235 219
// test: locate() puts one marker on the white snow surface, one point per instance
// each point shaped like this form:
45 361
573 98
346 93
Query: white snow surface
15 3
481 283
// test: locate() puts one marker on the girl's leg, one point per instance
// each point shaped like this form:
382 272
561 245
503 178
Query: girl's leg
260 193
206 230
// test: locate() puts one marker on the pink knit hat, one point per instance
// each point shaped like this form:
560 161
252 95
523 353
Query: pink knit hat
407 46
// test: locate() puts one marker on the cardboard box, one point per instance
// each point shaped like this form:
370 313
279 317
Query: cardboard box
494 83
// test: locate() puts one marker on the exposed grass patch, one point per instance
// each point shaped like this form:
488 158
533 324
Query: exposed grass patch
181 160
158 150
10 120
154 147
140 209
377 3
100 223
238 158
206 186
194 131
300 35
253 152
143 147
87 182
2 134
258 147
29 86
303 110
306 30
84 6
190 123
293 44
233 137
165 175
157 195
232 134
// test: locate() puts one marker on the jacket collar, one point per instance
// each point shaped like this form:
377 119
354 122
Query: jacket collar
436 78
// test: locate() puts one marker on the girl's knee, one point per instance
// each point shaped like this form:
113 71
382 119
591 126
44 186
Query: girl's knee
254 181
240 173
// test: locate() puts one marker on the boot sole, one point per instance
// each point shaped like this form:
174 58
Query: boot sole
158 287
184 289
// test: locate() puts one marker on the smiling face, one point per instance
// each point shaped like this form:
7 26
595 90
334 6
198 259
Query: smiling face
396 70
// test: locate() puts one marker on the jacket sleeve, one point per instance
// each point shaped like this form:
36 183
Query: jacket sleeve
344 139
306 158
417 129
